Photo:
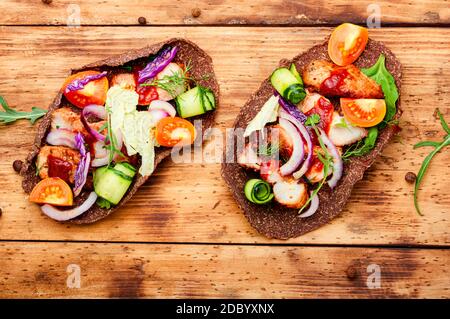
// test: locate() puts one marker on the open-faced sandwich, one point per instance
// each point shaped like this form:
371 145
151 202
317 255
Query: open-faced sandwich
112 123
312 130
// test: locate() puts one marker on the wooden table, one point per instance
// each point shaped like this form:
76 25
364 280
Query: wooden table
182 235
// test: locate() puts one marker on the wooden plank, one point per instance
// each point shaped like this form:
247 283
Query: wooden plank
40 270
174 207
220 12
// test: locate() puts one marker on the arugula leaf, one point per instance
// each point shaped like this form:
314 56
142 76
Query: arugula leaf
103 203
384 78
312 120
438 146
426 143
443 123
9 115
362 147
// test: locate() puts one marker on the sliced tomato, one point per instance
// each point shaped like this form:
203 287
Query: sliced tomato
93 93
171 131
147 94
346 43
53 191
363 112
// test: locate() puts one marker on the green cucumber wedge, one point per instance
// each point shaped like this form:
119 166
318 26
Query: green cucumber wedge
196 101
288 85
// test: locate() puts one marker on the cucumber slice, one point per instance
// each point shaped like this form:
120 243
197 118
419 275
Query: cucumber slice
125 168
195 102
111 184
210 101
98 173
258 191
295 73
288 85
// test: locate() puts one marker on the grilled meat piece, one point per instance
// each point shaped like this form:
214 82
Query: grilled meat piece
65 118
58 161
329 79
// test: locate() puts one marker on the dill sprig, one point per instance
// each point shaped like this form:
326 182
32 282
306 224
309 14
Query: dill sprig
172 83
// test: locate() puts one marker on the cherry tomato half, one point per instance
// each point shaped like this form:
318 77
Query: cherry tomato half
171 131
53 191
93 93
346 43
363 112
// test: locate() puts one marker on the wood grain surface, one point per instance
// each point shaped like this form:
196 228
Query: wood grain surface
182 235
38 270
190 202
220 12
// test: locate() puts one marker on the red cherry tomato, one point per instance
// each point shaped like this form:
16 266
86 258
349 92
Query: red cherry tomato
93 93
53 191
171 131
346 43
364 112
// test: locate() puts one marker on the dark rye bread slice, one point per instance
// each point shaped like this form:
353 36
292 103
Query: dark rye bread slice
201 65
276 221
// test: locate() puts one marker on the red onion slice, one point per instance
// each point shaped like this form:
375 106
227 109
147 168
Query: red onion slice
308 161
338 164
162 105
104 160
63 215
99 112
313 205
298 148
98 162
99 149
158 114
61 137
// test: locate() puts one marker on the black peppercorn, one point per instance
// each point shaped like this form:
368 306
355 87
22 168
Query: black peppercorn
17 165
351 272
196 12
142 20
410 177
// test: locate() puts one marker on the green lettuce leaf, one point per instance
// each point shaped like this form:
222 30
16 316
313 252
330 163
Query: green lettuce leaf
384 78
